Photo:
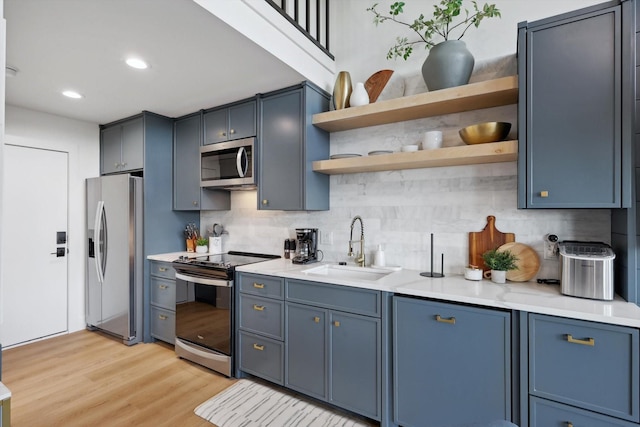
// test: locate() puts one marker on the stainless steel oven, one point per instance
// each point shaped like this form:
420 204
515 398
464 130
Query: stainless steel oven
205 313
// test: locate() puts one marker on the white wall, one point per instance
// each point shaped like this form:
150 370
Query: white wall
81 140
401 209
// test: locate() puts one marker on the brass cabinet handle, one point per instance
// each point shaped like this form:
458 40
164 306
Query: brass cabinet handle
163 286
258 307
265 202
569 424
316 319
258 285
195 203
544 193
451 320
587 341
258 347
162 269
162 317
232 131
336 323
223 134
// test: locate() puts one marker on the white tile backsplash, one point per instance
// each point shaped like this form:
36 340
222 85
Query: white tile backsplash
400 209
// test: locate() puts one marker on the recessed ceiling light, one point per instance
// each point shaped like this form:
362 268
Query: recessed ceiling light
137 63
72 94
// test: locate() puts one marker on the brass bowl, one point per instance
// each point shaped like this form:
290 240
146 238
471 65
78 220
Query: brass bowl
485 132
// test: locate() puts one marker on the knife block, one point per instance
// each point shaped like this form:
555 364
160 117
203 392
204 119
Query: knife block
191 245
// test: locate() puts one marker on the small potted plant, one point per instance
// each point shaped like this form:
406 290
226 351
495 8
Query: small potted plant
499 262
449 63
201 245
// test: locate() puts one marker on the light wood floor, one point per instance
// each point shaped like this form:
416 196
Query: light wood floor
90 379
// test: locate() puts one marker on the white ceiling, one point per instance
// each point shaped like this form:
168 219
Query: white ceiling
197 61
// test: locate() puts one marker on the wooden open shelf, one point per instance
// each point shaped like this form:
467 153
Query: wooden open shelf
474 96
494 152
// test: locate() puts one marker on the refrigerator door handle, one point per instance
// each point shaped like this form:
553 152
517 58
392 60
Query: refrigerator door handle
100 246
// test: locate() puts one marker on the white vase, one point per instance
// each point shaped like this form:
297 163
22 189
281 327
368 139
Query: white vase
201 249
498 276
359 96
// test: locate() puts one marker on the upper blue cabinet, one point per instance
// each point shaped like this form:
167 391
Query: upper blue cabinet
573 110
233 121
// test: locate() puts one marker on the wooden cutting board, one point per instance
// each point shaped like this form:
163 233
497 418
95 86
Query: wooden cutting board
487 239
376 83
528 262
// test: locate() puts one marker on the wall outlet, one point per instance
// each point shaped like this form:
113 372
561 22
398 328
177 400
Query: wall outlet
326 237
550 246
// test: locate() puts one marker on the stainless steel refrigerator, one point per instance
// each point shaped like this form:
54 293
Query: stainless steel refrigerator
114 278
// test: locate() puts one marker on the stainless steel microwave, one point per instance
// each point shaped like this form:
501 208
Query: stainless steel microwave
228 165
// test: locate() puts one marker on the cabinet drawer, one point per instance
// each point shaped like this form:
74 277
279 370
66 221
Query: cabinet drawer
262 357
265 286
163 293
586 364
545 413
163 325
262 315
353 300
162 269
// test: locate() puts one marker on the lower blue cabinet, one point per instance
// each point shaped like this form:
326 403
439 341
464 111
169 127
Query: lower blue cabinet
451 363
546 413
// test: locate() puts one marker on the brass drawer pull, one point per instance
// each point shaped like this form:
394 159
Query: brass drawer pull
544 194
162 317
163 286
258 347
586 341
336 323
451 320
258 285
569 424
316 319
258 307
162 269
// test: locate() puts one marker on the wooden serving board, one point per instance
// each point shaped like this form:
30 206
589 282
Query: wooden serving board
528 262
487 239
376 83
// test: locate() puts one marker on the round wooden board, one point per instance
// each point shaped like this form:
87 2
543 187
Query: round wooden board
528 262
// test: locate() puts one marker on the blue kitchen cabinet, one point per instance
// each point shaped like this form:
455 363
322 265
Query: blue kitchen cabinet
547 413
288 144
187 192
573 152
163 296
586 365
122 146
232 121
451 363
260 320
334 353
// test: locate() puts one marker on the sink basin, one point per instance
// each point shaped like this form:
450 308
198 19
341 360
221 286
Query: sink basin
348 272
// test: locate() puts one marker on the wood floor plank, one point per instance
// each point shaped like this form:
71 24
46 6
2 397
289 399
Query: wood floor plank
90 379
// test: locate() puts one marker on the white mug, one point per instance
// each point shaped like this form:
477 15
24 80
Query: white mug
432 140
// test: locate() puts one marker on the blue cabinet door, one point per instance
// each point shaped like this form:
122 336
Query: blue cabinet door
355 363
546 413
306 357
451 364
570 118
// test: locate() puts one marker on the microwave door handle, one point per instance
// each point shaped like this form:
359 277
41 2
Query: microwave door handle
242 163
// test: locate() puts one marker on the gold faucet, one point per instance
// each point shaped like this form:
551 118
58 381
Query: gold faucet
360 259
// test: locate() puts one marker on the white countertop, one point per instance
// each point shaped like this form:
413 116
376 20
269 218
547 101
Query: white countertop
524 296
4 392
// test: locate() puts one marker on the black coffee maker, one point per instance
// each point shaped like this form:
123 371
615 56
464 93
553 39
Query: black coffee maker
306 246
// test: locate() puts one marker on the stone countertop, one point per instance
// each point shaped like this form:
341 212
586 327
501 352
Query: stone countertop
524 296
172 256
4 392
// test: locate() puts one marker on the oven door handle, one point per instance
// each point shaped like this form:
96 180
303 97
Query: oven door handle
204 281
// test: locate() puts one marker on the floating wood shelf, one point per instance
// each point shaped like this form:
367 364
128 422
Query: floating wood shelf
474 96
494 152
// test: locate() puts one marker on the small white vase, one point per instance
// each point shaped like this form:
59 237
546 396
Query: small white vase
498 276
359 96
201 249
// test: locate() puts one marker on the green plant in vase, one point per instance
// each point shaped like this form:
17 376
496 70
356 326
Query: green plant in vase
499 262
449 62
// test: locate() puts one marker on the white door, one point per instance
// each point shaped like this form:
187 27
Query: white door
33 297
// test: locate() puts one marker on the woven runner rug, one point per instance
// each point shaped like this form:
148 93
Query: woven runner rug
251 404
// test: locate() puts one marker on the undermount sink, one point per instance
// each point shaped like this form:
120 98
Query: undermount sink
348 272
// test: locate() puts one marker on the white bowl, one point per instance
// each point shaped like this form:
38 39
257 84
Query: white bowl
407 148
